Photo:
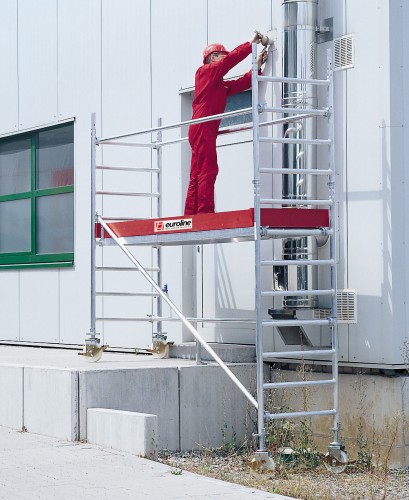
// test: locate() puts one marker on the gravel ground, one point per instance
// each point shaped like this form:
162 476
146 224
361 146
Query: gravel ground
306 485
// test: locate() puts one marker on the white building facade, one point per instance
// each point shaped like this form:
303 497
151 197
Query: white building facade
133 62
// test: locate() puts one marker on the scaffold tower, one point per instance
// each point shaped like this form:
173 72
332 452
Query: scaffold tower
297 219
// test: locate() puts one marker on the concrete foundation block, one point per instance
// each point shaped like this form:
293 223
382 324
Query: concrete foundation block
227 352
11 397
127 431
51 402
146 390
213 411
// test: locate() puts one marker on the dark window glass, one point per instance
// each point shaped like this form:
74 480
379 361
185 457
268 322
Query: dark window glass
234 102
55 158
15 166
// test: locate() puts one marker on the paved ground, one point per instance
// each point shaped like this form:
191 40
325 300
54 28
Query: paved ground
33 466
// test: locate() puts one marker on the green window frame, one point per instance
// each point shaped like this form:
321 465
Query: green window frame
37 198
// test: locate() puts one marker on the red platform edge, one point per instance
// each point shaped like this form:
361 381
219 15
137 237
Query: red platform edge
275 218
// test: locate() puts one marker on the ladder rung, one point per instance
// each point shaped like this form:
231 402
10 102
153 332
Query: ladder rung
281 293
121 193
298 414
134 269
296 233
126 144
285 201
298 383
142 319
127 294
297 322
127 169
296 354
153 319
286 79
287 140
319 112
299 262
295 171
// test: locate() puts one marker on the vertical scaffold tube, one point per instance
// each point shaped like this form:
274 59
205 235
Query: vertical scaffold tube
159 214
257 250
333 246
92 331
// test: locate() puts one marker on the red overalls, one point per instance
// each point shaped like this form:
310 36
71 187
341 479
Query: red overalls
211 93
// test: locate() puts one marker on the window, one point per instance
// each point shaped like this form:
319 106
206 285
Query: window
37 198
234 102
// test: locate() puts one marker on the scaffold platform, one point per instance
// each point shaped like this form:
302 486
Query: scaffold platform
218 227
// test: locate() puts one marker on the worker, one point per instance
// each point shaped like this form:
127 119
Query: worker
211 93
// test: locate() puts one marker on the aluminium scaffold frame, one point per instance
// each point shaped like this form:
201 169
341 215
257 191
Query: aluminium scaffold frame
103 230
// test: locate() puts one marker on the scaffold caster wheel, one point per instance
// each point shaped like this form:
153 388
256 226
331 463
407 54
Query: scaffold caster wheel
160 350
336 462
93 353
262 462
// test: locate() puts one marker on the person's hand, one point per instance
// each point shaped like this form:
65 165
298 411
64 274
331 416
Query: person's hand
256 37
262 58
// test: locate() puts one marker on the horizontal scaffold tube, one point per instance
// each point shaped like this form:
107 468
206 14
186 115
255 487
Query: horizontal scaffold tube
288 201
295 233
286 79
298 262
219 116
287 140
127 169
107 268
298 414
154 319
295 171
127 294
297 383
183 319
281 293
297 354
315 112
122 193
296 322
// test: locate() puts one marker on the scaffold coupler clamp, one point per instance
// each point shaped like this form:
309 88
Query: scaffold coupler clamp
261 107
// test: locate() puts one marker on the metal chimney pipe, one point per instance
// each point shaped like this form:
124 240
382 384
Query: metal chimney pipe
299 49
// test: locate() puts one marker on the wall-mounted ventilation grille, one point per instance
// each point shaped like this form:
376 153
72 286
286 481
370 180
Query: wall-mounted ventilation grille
346 306
344 52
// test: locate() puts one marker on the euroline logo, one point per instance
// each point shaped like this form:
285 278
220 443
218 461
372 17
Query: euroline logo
172 225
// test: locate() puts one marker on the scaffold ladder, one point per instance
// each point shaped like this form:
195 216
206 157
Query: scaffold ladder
336 457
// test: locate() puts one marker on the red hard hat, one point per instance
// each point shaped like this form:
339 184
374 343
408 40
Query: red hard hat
214 47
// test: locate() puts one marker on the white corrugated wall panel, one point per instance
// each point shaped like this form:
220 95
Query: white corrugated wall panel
37 62
8 80
232 22
126 74
79 58
9 300
79 94
368 184
39 305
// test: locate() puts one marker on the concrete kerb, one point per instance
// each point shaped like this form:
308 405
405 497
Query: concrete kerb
144 390
126 431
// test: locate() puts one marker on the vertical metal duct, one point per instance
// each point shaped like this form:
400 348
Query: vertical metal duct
299 48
